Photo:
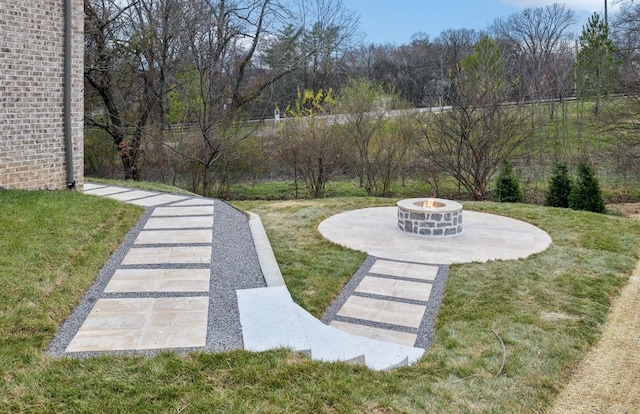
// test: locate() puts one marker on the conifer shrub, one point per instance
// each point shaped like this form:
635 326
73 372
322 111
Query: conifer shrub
559 187
507 189
585 193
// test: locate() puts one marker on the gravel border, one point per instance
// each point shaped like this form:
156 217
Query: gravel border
234 266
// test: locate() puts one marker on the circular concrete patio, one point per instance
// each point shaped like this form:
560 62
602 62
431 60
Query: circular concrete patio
485 237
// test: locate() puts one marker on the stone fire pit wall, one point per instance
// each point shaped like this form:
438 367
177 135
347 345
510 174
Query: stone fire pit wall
444 218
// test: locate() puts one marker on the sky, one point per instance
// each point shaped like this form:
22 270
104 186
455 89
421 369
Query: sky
395 21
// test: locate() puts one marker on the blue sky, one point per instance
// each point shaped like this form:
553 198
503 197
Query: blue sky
395 21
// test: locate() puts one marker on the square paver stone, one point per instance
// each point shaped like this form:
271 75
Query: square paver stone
159 280
168 255
384 311
408 270
174 237
157 200
386 335
179 222
196 201
104 191
131 195
183 211
395 288
92 186
143 323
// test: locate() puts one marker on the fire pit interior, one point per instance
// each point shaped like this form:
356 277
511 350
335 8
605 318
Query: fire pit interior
430 203
430 217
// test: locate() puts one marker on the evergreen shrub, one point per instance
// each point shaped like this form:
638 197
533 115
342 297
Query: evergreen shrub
507 189
585 193
559 187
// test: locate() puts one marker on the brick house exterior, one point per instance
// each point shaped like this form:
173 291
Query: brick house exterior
32 78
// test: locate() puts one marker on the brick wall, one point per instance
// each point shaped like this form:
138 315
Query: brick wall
32 147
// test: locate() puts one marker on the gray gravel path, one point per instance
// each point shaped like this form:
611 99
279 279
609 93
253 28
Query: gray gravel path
234 265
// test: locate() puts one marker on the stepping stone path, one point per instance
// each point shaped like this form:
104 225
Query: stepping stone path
392 301
154 266
172 284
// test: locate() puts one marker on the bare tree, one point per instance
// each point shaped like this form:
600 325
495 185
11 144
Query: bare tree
105 53
412 70
562 88
455 45
382 66
451 47
312 47
378 155
329 31
308 144
159 37
129 49
535 36
620 114
470 141
535 42
625 33
223 77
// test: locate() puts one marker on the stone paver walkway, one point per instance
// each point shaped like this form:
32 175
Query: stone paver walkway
172 283
390 301
171 237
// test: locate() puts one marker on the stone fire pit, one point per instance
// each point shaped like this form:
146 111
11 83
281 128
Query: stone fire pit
430 217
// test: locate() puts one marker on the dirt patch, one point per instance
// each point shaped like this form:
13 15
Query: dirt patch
631 210
606 381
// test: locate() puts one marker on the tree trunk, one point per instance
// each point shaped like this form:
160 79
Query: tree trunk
319 190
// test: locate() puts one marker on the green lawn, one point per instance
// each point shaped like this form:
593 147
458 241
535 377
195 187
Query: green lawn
548 309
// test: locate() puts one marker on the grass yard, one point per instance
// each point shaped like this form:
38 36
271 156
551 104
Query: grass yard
548 309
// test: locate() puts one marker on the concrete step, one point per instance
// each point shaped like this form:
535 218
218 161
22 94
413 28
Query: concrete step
331 344
270 319
327 343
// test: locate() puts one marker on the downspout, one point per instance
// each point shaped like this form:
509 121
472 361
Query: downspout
68 141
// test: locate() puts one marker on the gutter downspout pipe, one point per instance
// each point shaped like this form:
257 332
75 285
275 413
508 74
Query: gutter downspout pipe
68 141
